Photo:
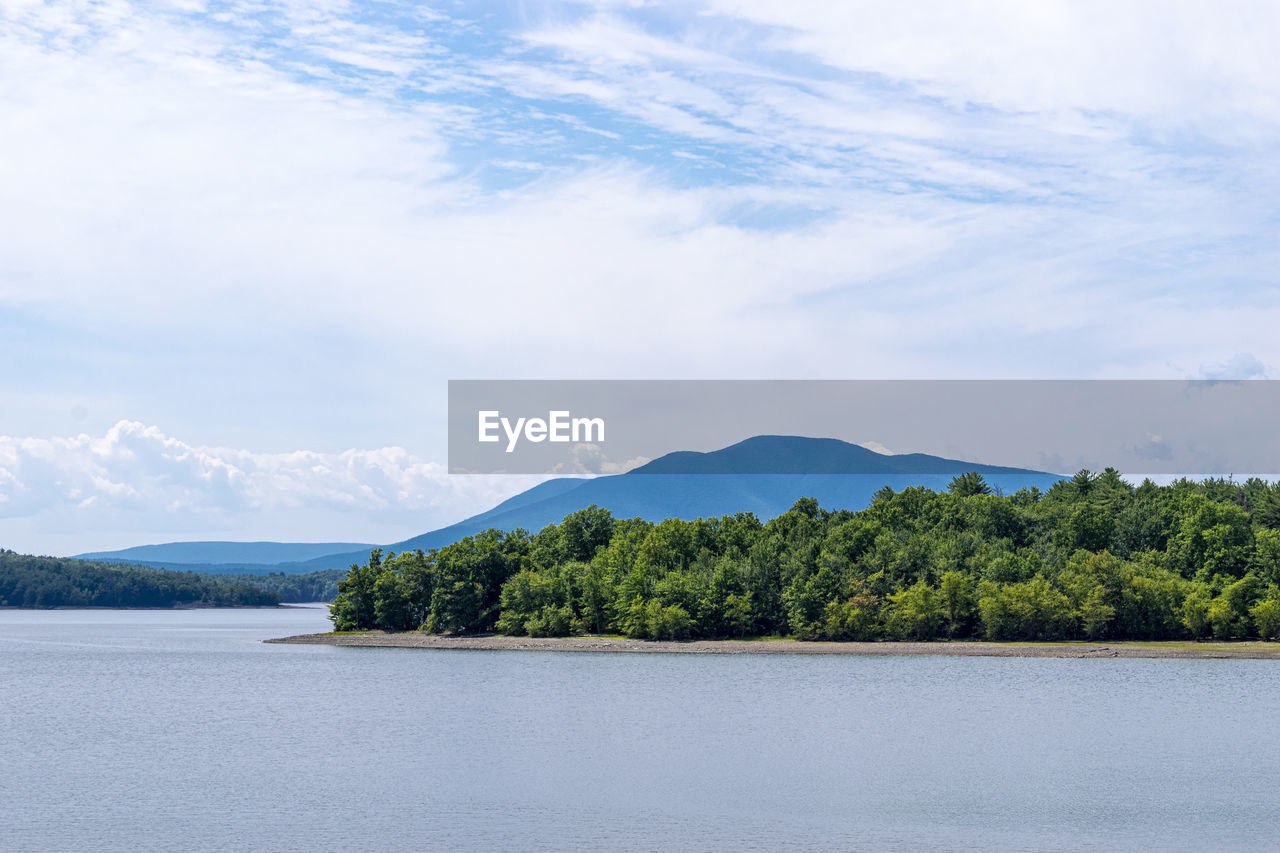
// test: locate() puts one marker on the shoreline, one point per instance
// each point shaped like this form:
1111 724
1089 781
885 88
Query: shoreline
1128 649
280 606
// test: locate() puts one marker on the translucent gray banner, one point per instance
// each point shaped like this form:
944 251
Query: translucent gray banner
1153 427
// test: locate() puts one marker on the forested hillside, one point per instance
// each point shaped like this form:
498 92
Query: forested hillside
313 586
1092 557
27 581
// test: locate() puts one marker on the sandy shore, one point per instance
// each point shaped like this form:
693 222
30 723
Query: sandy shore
416 640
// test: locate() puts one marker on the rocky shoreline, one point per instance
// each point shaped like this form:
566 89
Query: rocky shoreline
418 640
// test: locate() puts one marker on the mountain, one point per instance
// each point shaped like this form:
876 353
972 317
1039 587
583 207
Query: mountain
202 556
764 475
790 454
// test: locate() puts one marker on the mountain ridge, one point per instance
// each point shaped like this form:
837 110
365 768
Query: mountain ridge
224 552
690 484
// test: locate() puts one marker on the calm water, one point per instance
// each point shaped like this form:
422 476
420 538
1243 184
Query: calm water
132 730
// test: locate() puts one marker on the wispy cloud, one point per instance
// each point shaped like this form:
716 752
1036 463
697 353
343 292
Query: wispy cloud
290 222
1240 366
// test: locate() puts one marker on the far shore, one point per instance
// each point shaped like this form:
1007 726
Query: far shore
184 606
1128 649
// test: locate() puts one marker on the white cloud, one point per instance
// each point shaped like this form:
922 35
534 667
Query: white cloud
876 447
1242 365
590 460
139 477
1179 63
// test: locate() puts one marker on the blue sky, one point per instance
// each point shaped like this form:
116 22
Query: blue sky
244 245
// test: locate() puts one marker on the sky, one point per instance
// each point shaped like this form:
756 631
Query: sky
244 245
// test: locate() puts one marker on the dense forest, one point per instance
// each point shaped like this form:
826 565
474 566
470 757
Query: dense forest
312 586
1094 557
27 581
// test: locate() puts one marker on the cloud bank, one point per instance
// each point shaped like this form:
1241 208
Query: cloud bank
136 477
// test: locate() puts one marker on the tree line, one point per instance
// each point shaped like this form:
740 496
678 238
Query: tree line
312 586
30 581
1093 557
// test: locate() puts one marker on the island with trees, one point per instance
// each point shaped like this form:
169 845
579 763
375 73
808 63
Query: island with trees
1092 558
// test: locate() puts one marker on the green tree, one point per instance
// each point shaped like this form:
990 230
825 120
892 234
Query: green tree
391 606
1032 610
857 617
914 613
585 532
669 623
806 600
968 484
956 594
354 607
597 592
1266 615
739 616
1210 538
1151 601
1095 614
1195 611
1266 554
1090 526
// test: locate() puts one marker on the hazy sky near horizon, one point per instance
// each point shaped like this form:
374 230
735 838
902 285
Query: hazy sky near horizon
244 245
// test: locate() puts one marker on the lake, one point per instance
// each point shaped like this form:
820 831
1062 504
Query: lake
140 730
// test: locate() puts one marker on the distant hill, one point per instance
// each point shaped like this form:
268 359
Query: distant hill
224 553
41 582
692 485
765 475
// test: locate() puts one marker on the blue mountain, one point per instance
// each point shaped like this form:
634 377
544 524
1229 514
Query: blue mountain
765 475
265 554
